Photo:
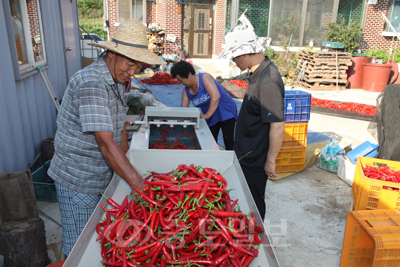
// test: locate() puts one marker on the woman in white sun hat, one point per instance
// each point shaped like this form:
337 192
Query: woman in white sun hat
260 125
91 139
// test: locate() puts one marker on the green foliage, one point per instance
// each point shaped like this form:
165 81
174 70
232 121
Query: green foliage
316 34
90 8
269 53
284 27
384 54
135 105
349 35
91 17
286 61
96 28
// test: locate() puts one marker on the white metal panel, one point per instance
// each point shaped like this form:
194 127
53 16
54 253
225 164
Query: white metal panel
141 138
27 114
86 251
71 36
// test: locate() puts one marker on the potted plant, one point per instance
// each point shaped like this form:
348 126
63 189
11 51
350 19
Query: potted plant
350 35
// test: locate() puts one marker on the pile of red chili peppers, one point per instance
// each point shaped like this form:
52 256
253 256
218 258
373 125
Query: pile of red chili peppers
163 143
347 106
240 83
160 79
383 173
181 218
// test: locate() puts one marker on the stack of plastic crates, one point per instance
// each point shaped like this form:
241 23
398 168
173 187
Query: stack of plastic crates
292 155
372 238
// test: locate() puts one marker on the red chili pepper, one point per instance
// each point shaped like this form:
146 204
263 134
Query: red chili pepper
175 214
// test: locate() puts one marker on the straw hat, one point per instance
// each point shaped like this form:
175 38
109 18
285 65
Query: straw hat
130 40
243 40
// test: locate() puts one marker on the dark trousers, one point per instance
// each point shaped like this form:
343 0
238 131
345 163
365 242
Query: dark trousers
257 182
228 132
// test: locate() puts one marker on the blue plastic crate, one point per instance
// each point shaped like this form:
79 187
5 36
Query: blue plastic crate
43 190
297 106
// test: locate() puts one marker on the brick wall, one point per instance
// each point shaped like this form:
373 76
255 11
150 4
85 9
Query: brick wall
218 32
112 17
34 27
374 26
165 13
33 19
171 21
150 12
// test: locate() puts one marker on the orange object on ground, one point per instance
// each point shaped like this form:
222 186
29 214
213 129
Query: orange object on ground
371 238
355 72
375 76
57 264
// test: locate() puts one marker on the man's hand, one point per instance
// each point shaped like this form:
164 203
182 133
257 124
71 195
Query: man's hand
117 159
269 169
275 141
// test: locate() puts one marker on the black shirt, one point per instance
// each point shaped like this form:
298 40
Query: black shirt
262 104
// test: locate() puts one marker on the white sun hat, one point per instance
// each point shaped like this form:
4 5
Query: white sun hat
242 39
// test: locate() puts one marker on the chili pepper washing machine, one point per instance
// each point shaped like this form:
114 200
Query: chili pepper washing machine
167 125
87 252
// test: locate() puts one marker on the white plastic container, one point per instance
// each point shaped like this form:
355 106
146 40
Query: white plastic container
346 170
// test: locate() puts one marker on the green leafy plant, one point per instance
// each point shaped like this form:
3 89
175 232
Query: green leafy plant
91 17
286 61
316 34
282 28
90 8
350 35
384 54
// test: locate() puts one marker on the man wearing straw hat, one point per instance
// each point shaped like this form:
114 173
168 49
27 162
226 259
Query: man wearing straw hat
91 138
260 125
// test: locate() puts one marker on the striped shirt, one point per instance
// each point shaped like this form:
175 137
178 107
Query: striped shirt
90 104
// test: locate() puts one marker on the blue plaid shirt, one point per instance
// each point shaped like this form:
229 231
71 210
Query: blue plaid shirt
90 104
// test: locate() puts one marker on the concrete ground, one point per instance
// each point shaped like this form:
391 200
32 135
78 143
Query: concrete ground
306 212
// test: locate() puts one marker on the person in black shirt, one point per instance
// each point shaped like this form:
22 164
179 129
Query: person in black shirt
260 125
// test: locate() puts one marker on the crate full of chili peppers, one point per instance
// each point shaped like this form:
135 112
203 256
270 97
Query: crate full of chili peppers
186 215
376 184
297 105
371 238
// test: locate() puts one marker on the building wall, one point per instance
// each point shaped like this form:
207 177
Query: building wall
218 33
151 10
171 21
27 113
374 26
167 14
112 17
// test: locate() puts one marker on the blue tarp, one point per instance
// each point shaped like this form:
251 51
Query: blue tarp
171 95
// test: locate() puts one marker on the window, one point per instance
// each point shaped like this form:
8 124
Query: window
300 21
131 9
395 17
28 37
294 22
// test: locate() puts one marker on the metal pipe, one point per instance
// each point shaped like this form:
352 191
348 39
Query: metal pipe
391 26
48 217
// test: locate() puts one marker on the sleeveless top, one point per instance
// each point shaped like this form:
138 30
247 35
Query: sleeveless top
226 106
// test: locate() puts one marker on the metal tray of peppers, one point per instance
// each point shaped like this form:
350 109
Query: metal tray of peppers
177 222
